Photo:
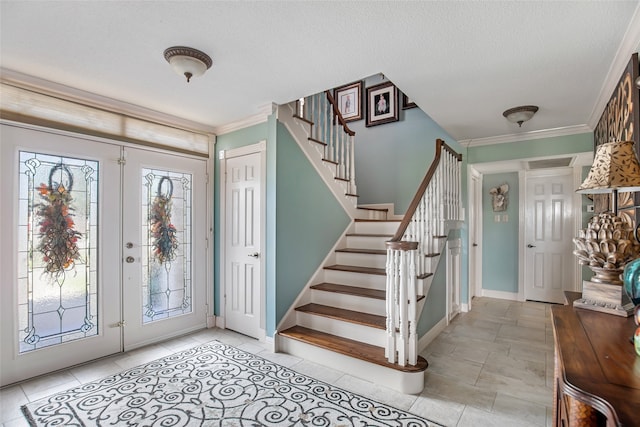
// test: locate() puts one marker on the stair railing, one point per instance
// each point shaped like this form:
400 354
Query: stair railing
424 226
330 128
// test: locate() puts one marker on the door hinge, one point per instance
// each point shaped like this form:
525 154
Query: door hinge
122 161
121 323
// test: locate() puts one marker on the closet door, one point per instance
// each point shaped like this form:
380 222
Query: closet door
59 251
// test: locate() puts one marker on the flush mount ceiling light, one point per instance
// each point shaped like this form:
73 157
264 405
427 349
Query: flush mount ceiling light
187 61
521 114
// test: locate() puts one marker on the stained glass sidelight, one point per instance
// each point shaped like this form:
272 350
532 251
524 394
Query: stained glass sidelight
166 256
57 250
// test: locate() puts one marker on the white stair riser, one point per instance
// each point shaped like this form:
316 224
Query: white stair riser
362 260
370 214
377 227
370 281
404 382
349 302
349 330
365 242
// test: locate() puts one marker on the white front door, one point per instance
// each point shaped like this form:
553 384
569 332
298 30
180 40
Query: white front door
96 256
548 235
243 258
163 246
59 251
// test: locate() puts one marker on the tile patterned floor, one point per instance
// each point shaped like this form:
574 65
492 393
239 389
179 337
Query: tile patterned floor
492 366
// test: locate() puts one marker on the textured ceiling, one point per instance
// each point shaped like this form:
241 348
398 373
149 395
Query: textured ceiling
464 63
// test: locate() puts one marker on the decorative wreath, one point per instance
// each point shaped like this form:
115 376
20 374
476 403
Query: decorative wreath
58 243
163 232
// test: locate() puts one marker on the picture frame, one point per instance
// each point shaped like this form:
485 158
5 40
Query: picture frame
407 103
382 104
349 101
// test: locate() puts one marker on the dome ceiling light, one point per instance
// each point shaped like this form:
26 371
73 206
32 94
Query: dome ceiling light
520 114
187 61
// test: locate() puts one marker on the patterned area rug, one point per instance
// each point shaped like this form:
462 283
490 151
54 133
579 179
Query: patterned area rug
213 385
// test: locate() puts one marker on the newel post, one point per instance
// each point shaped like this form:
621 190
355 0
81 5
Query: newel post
401 303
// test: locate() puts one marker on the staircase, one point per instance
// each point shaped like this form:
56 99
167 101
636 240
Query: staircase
343 324
360 311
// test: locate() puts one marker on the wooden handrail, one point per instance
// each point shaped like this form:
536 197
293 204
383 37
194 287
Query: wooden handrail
440 145
338 114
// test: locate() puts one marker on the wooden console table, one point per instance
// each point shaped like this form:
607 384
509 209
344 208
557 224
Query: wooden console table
597 372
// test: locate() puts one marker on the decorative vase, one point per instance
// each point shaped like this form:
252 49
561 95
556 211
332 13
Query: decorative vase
631 279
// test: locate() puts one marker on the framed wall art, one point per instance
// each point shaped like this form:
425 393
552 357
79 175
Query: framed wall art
407 102
349 100
382 104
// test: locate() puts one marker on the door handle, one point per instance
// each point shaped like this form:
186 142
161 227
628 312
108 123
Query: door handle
531 246
130 259
474 245
255 255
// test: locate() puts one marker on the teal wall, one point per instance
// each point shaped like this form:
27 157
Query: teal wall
303 218
435 307
392 159
500 239
309 221
558 145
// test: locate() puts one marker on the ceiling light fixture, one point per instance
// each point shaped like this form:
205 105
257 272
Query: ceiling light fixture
521 114
187 61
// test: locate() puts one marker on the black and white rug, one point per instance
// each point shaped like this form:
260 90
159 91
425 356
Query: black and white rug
213 385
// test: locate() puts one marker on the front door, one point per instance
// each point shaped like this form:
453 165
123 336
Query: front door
548 253
102 249
243 260
59 251
163 246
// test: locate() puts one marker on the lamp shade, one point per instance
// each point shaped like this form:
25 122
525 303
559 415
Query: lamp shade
520 114
615 167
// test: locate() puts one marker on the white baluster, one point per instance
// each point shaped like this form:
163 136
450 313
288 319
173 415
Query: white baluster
412 310
352 171
390 350
403 330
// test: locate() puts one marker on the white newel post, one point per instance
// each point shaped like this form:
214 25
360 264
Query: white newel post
352 168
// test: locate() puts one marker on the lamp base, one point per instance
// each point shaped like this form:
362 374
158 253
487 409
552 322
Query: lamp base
606 298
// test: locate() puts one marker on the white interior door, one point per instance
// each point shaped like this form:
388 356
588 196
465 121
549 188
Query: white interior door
59 251
475 219
163 245
548 235
243 259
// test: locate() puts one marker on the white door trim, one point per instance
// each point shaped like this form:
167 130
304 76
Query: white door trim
475 216
522 209
261 148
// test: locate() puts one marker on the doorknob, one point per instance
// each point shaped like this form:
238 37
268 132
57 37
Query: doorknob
474 245
254 255
531 246
130 259
129 245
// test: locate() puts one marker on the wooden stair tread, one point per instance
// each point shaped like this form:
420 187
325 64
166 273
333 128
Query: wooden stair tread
356 349
357 269
317 141
351 290
330 161
433 255
357 317
377 220
339 178
351 195
373 209
295 116
363 251
369 235
424 276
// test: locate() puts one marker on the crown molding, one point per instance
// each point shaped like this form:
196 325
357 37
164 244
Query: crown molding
263 114
526 136
47 87
628 47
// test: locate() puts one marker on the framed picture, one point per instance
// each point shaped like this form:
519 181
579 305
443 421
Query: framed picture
407 102
349 100
382 104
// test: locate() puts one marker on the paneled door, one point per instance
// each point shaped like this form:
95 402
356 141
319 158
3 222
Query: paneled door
163 246
59 251
549 260
243 290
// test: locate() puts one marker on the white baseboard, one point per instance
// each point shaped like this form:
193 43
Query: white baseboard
464 308
271 344
220 322
427 338
211 322
511 296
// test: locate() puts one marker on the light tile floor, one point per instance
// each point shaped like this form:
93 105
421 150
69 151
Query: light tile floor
492 366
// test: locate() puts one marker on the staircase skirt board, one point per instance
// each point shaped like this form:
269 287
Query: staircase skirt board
409 382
